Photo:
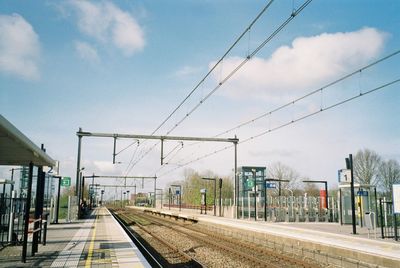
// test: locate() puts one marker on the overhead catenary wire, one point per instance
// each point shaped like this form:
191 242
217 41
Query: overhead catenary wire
292 102
310 93
241 64
359 95
263 10
293 14
125 148
253 120
215 66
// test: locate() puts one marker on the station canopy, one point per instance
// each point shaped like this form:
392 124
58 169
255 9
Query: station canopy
17 149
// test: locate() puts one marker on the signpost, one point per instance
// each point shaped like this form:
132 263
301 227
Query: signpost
344 175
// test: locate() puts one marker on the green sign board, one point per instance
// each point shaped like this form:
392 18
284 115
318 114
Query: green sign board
250 183
66 182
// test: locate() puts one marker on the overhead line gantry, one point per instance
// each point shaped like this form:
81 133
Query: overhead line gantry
115 136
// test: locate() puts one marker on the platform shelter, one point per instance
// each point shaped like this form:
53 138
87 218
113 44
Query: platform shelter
18 150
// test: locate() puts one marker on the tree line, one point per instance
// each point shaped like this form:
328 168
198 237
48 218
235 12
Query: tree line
369 168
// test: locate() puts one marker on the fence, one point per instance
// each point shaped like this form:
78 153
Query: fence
11 219
387 220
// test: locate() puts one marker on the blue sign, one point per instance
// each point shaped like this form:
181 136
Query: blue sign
362 193
177 192
270 185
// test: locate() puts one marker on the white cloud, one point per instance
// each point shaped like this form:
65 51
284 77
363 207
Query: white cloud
19 47
86 51
187 71
106 23
105 167
308 62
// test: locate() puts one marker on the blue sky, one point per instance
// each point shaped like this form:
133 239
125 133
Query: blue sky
122 66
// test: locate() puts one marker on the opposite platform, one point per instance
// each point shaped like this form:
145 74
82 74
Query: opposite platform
331 238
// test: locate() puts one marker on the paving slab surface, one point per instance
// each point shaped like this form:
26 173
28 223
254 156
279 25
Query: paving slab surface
328 235
97 241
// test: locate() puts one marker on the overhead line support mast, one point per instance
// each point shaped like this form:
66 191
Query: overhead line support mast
234 140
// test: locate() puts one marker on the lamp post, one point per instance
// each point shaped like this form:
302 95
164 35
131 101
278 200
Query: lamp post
349 165
180 195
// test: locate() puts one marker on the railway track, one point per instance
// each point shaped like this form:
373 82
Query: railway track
205 245
158 251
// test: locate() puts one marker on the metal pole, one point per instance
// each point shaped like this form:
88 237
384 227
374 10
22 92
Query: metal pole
78 163
215 197
115 145
83 188
381 208
180 198
220 196
236 182
326 196
395 226
38 208
27 210
155 186
326 199
255 194
12 179
353 207
265 200
169 198
376 208
162 151
280 191
340 206
79 193
58 199
134 201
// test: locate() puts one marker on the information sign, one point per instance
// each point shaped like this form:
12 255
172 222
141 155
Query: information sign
66 181
344 175
271 185
362 193
250 183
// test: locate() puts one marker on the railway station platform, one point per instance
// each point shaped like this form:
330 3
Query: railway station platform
98 241
323 239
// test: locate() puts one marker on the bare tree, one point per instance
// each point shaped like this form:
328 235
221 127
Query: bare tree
280 171
366 166
389 174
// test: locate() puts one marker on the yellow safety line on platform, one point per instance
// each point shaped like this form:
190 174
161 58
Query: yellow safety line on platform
88 262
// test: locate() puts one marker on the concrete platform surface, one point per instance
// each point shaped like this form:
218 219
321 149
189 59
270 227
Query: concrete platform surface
98 241
321 237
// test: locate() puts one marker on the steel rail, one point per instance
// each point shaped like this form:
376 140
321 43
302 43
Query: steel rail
142 248
255 260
